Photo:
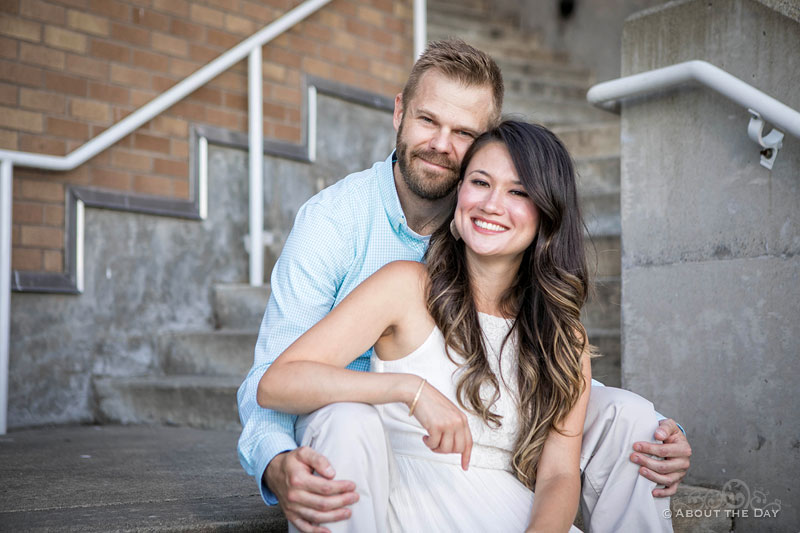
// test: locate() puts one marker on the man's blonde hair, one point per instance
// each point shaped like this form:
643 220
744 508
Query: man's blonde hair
461 62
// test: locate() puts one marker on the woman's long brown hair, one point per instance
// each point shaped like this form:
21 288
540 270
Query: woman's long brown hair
545 298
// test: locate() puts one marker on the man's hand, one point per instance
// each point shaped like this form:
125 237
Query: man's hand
674 451
308 500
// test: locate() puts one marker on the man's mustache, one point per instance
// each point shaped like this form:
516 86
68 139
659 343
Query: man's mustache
436 158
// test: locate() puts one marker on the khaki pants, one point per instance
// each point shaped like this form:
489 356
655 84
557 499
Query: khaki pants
614 497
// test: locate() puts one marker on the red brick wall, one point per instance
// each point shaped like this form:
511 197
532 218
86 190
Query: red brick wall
71 68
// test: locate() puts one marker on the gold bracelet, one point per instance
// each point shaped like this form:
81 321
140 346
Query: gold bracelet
416 398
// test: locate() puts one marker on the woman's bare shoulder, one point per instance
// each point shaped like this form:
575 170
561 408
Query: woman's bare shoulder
404 273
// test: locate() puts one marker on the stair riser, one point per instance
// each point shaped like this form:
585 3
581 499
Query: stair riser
603 257
606 368
603 309
598 175
208 353
239 306
552 113
546 91
592 140
211 407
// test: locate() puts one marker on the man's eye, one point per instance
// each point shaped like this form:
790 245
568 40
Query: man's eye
465 134
426 119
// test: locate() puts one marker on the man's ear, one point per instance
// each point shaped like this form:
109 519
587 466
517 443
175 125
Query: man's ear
397 117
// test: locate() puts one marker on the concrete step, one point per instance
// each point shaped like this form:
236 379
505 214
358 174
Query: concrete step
702 510
195 401
559 70
603 256
602 311
552 113
591 140
517 49
466 23
128 478
598 174
606 368
530 86
239 306
601 213
221 352
469 10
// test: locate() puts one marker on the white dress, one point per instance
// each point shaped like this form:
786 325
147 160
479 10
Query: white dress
430 491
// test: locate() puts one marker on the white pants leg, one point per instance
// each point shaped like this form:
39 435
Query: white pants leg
614 497
351 436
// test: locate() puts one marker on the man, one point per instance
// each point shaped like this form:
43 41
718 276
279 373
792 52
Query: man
346 233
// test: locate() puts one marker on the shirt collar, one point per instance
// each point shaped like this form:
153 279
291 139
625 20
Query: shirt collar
391 202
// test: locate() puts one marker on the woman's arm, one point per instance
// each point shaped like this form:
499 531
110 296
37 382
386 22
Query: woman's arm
558 482
311 372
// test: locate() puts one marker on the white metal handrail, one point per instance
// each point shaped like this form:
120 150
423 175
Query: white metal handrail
250 47
607 95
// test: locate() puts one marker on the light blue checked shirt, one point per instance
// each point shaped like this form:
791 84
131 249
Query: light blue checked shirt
340 237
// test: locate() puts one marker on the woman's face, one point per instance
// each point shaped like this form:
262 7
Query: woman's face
494 215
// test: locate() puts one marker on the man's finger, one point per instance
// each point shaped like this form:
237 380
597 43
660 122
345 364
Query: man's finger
322 504
316 461
662 466
325 487
655 476
304 526
668 491
666 428
318 517
672 450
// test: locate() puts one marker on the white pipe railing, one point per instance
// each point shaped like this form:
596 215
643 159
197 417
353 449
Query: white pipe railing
256 138
420 28
8 158
5 285
780 115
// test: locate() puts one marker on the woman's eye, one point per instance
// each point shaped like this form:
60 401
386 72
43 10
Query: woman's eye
519 193
480 183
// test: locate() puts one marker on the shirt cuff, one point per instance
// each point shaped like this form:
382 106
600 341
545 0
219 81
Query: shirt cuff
277 444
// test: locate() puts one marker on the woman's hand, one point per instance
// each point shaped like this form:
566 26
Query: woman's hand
446 424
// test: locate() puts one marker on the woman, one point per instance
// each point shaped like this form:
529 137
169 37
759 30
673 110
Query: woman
490 324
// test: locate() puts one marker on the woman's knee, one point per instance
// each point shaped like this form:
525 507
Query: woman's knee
346 421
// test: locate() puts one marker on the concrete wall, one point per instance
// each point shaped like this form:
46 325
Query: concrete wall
146 275
710 267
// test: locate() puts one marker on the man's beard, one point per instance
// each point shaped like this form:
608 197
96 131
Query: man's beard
423 183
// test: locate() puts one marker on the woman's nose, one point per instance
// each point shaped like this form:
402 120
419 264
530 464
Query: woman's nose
492 202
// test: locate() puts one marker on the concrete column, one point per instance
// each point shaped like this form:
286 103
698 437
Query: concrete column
710 266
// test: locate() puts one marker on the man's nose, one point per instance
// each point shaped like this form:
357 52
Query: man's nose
441 141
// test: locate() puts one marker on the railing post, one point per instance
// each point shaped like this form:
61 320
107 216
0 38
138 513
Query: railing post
420 28
256 136
6 172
